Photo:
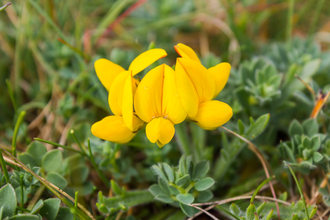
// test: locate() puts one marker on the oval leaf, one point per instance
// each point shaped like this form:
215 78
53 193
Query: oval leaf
57 180
50 208
37 151
52 161
204 184
185 198
10 203
37 206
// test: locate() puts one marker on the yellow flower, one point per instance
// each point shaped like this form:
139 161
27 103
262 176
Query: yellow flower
121 85
156 102
197 86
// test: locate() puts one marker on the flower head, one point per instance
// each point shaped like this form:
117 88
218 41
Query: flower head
197 86
121 85
156 102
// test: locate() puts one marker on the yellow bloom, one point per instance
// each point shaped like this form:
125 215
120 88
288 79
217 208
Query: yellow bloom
156 102
121 85
197 86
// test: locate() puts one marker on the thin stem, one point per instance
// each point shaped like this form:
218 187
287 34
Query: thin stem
11 95
5 6
316 16
4 168
62 146
76 140
182 138
263 161
259 187
22 190
289 24
103 178
18 123
298 186
54 189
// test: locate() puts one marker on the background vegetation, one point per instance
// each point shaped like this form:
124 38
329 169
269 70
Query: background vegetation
47 51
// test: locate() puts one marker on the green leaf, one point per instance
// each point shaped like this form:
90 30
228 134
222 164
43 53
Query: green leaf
37 150
79 174
261 207
182 166
169 172
37 206
233 208
241 127
204 196
183 180
50 208
116 189
188 210
85 189
250 212
57 180
310 127
156 190
185 198
174 191
27 159
64 214
204 184
295 128
286 152
201 169
164 186
257 127
316 143
317 157
164 198
52 161
24 217
159 173
283 196
10 203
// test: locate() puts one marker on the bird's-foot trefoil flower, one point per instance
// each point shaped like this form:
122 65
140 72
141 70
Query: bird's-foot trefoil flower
121 85
156 102
197 86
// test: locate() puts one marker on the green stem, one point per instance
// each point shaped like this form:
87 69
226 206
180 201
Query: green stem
289 24
4 168
22 190
11 94
76 140
316 16
298 186
259 187
181 190
18 123
182 138
191 185
62 146
103 178
82 213
5 6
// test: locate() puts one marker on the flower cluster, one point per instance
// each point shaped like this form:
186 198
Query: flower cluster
163 98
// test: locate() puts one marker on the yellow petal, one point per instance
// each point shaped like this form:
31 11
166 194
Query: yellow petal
148 95
171 105
186 52
107 71
212 114
145 59
131 121
186 91
160 131
116 93
112 128
220 75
